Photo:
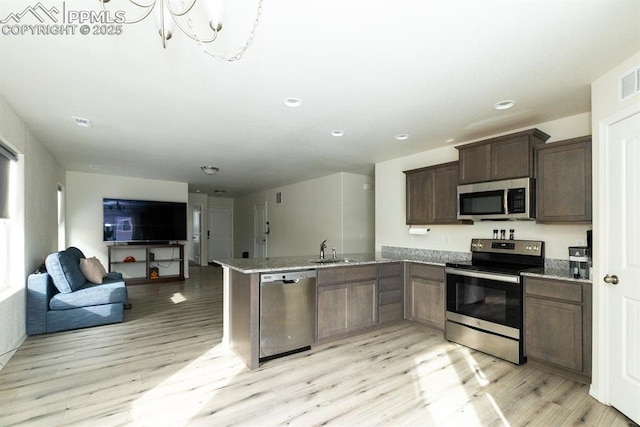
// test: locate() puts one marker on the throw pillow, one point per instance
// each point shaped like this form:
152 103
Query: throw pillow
92 269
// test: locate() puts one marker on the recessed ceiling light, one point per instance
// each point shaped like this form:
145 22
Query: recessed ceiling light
337 132
402 137
82 122
292 102
450 140
504 105
218 191
94 167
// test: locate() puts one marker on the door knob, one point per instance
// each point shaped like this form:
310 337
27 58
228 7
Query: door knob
611 279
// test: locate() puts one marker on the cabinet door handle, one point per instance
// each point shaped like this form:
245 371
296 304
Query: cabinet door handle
612 279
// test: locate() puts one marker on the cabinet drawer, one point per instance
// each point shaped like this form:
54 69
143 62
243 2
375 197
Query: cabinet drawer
347 274
392 269
556 289
390 284
433 272
390 297
390 312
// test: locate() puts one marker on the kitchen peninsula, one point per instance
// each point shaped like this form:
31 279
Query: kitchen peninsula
363 291
241 278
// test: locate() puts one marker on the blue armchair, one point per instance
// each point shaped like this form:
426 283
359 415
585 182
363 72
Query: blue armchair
62 298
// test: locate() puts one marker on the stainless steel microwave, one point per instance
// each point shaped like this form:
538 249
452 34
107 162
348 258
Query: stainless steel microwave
496 200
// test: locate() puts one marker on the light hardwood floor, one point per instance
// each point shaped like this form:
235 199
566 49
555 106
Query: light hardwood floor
165 366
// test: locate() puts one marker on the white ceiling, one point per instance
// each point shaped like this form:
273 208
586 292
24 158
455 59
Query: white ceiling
372 68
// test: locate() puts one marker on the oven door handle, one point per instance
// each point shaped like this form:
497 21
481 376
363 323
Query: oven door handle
483 275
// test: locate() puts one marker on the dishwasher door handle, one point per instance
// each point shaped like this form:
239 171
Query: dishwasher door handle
291 281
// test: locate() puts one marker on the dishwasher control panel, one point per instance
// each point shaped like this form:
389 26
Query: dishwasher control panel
287 275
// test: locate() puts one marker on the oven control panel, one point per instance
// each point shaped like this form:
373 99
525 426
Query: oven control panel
518 247
502 245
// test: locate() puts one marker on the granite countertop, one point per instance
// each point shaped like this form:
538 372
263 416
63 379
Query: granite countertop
304 262
554 269
266 265
557 273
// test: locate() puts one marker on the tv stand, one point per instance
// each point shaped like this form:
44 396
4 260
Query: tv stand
146 243
153 263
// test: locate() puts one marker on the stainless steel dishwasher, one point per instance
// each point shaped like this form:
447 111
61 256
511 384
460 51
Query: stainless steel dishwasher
287 312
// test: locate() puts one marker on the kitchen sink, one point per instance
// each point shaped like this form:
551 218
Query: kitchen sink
328 260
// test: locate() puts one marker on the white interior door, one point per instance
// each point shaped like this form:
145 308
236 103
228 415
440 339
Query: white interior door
197 234
220 233
260 230
621 262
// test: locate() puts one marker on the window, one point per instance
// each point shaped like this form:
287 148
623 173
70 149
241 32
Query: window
4 255
61 223
8 173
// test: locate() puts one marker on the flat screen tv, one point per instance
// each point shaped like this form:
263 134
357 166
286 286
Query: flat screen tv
140 221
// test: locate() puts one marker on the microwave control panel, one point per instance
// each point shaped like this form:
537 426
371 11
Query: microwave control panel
516 199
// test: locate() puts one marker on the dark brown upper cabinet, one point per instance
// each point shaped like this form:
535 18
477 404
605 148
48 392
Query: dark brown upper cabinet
563 181
503 157
431 194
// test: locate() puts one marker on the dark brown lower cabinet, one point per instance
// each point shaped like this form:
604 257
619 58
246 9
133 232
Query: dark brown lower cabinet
347 300
333 310
363 305
390 292
425 289
557 322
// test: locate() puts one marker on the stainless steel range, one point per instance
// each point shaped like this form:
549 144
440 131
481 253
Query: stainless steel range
484 297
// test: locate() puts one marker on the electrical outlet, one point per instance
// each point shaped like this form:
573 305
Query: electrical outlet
579 242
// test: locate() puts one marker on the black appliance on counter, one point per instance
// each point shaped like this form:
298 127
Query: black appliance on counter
485 296
580 261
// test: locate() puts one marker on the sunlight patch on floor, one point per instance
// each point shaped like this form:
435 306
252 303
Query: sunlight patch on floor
441 385
181 396
496 408
177 298
455 384
481 378
483 381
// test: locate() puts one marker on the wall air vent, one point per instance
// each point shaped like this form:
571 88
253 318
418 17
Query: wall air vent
629 84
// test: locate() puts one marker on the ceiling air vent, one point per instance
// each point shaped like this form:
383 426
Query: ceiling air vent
629 84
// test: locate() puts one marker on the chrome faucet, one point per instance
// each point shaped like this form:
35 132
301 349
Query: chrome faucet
323 246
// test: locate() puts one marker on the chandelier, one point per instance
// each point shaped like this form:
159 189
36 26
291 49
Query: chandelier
178 14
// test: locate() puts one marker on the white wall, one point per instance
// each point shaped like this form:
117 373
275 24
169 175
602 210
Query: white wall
37 236
335 207
243 223
604 103
310 212
358 223
220 202
84 205
390 203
